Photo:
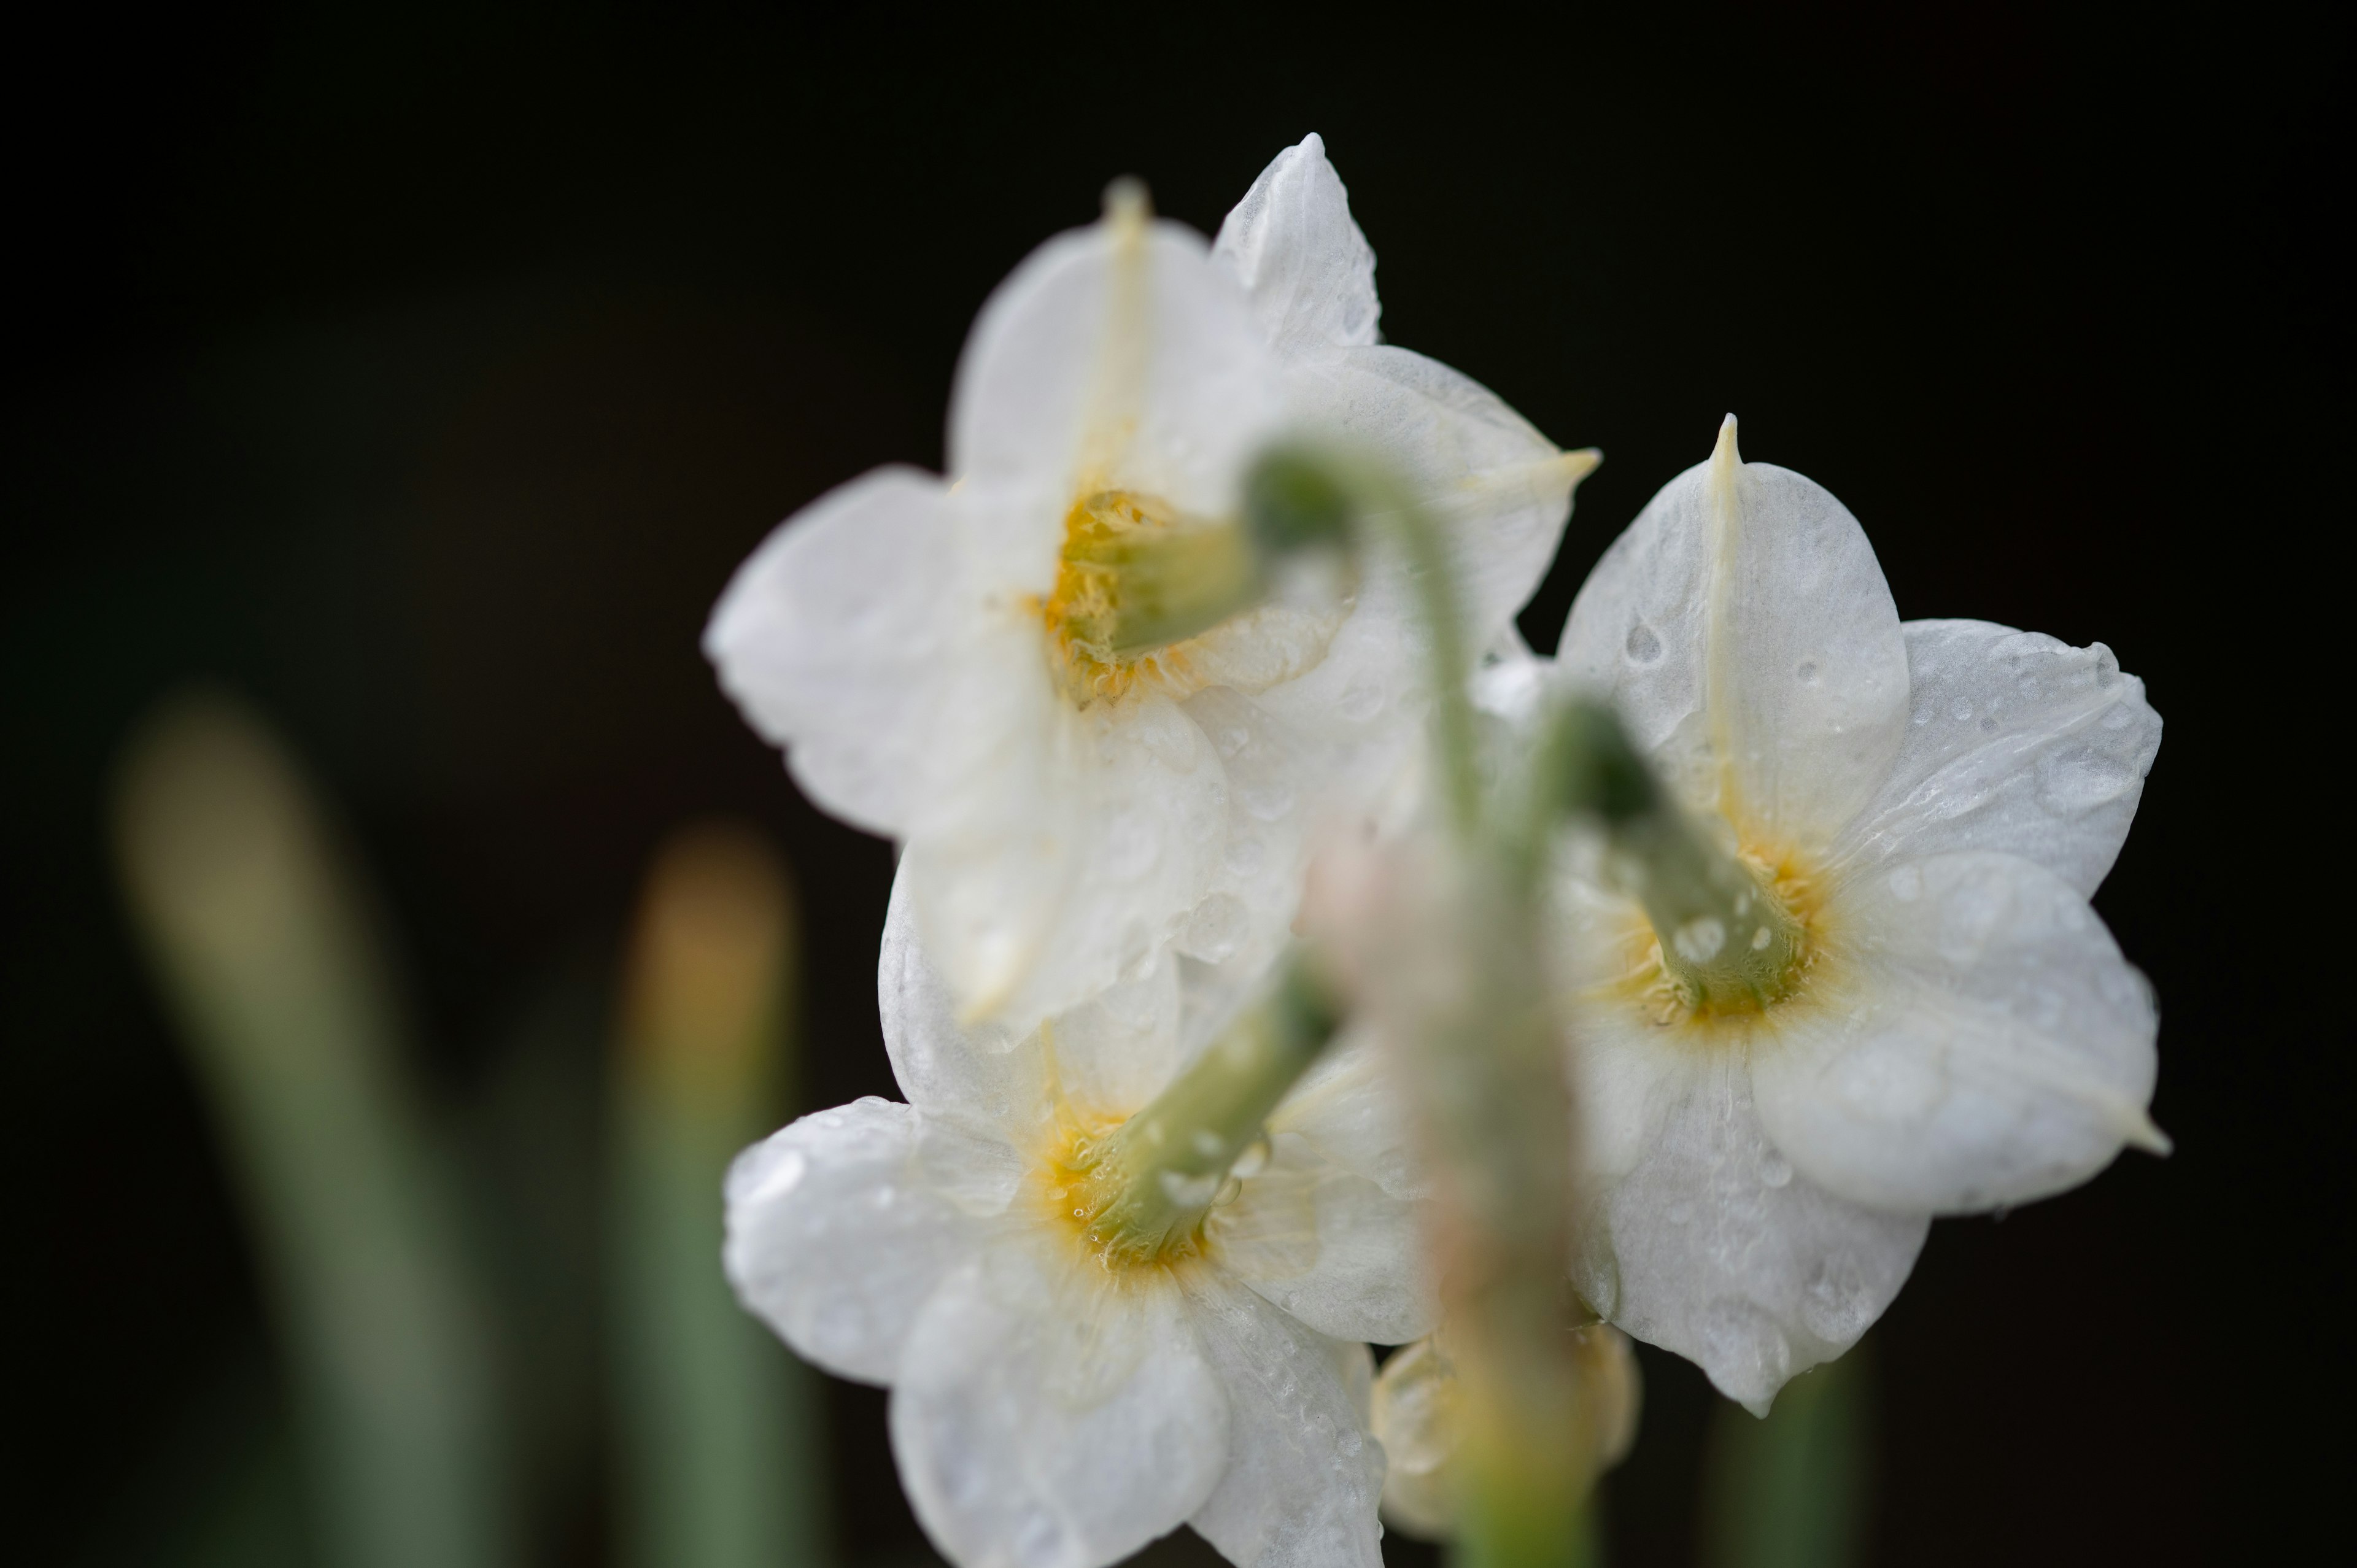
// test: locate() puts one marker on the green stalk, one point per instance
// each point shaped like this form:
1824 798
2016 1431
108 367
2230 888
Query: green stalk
1726 939
720 1445
259 936
1144 1189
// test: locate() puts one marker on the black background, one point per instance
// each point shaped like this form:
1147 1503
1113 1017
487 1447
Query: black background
423 370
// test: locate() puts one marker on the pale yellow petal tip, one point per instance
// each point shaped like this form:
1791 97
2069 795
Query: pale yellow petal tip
1723 455
2144 1134
1127 206
1579 465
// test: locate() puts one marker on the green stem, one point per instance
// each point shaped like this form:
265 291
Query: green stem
1726 939
1146 1187
1435 579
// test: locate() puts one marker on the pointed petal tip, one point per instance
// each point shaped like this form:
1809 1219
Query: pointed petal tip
2143 1133
1725 452
1582 463
1127 204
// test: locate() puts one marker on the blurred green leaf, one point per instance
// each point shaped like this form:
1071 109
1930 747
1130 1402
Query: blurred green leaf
260 934
719 1429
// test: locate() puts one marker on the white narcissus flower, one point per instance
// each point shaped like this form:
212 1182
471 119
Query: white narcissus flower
1054 1406
1932 803
933 653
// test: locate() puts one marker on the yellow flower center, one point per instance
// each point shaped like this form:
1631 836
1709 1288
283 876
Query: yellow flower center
1663 973
1135 582
1083 1193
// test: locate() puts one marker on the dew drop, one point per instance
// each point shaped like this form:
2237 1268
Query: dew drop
1807 672
1268 801
1643 647
1907 884
1699 941
1761 939
1361 702
1216 929
1775 1170
781 1177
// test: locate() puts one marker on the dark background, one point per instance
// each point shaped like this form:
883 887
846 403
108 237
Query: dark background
423 370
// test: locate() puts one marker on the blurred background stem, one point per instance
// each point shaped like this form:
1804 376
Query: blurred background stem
261 934
1790 1491
721 1464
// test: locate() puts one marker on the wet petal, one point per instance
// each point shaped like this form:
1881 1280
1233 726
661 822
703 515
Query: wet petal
1499 490
1630 1069
1332 1249
1291 242
1116 357
1063 864
2014 742
830 637
972 1076
1051 1416
1743 627
1303 1473
1346 1108
837 1231
1993 1047
1715 1248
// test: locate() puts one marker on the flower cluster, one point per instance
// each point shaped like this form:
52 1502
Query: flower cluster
1801 892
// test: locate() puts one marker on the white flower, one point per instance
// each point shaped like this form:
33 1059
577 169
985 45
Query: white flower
1053 1407
1932 803
931 651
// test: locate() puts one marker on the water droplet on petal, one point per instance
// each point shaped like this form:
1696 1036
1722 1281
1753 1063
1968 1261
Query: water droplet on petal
1216 929
1643 646
1268 801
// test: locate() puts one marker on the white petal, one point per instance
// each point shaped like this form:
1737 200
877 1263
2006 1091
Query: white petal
1630 1070
1106 1058
837 1235
1303 1472
1332 1249
1993 1047
1347 1109
974 1076
1499 490
1714 1247
2014 742
1048 1416
1293 246
1068 865
1417 1418
1115 357
1744 629
830 635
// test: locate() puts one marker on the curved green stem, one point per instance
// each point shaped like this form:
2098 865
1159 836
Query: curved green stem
1727 941
1145 1188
